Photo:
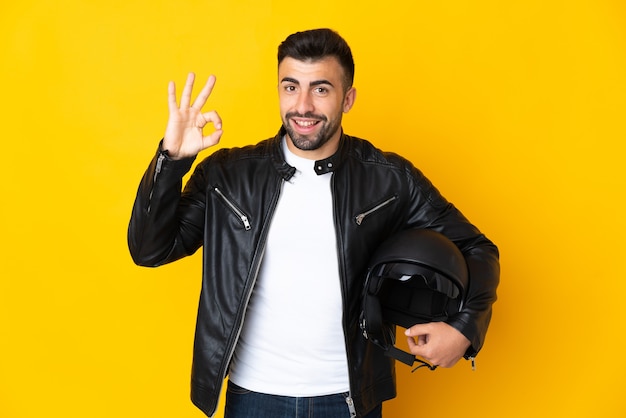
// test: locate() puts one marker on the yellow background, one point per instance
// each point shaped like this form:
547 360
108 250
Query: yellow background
514 109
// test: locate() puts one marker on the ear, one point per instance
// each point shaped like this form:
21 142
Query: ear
348 100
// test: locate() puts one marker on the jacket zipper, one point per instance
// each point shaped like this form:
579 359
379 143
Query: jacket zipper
157 171
231 351
349 399
361 216
351 407
231 205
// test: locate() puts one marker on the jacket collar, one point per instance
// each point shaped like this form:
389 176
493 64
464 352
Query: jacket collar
324 166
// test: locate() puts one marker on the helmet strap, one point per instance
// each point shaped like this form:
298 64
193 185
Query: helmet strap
406 358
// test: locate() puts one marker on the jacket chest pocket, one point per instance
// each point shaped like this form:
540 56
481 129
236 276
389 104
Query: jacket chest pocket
233 207
375 209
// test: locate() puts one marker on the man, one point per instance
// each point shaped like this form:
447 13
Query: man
287 227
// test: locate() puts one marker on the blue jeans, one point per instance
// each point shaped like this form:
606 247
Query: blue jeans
243 403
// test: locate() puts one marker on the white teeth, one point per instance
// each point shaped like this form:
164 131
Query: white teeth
305 123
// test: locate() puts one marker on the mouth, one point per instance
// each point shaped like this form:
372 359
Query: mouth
305 125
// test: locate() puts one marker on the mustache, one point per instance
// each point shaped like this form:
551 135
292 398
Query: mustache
307 115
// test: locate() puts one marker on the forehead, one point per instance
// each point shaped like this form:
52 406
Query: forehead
327 68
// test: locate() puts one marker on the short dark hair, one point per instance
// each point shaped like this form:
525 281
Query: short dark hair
316 44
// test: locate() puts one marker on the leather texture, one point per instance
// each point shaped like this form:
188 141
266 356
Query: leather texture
226 208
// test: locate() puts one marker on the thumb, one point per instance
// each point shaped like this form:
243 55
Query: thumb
417 330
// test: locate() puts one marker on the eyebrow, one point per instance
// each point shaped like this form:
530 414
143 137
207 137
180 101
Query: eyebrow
313 83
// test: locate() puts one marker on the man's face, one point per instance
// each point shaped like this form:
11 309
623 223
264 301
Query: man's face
312 100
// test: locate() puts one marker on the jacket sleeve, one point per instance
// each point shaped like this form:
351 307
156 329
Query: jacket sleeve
165 226
431 210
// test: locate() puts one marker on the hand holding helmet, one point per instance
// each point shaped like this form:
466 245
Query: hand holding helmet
416 279
437 342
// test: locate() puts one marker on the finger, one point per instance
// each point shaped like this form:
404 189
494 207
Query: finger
416 330
415 347
213 139
420 350
420 341
185 98
204 93
411 342
171 97
212 117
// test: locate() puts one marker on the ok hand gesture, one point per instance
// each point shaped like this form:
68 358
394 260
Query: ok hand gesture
184 136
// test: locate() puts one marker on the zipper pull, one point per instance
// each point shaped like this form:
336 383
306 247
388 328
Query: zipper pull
159 163
246 222
473 360
157 170
351 407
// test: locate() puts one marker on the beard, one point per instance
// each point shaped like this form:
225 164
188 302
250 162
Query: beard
312 142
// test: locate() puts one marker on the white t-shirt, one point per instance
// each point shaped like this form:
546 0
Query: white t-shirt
292 341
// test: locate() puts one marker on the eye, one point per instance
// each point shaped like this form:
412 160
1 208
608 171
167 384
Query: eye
289 88
321 91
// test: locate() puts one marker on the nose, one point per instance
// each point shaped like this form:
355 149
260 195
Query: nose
304 103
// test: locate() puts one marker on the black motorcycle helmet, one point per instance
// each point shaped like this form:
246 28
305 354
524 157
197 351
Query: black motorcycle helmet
414 277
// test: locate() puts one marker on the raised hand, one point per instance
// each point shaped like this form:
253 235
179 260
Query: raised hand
184 135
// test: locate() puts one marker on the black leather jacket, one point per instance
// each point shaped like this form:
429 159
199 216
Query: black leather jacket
226 207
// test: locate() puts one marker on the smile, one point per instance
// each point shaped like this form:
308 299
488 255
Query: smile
305 123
